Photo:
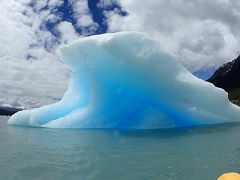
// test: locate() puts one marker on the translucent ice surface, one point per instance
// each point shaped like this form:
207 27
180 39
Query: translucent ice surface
126 81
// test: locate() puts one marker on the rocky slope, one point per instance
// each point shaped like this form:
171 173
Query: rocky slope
228 78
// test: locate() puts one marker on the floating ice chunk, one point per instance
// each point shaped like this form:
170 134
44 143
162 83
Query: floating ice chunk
126 81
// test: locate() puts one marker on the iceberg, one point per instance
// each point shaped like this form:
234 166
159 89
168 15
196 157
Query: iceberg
125 80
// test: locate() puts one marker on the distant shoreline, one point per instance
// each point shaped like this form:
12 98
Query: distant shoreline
8 111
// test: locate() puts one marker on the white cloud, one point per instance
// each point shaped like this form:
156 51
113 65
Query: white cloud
31 73
67 31
83 16
52 4
201 33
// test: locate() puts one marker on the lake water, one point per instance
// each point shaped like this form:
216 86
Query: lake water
201 153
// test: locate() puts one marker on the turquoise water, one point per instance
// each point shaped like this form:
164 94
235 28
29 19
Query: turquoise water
193 153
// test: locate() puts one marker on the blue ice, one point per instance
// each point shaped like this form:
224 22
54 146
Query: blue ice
126 80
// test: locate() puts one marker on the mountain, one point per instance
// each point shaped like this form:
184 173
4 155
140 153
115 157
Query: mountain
228 78
8 111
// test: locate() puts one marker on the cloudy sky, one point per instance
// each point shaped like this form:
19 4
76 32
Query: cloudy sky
203 35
